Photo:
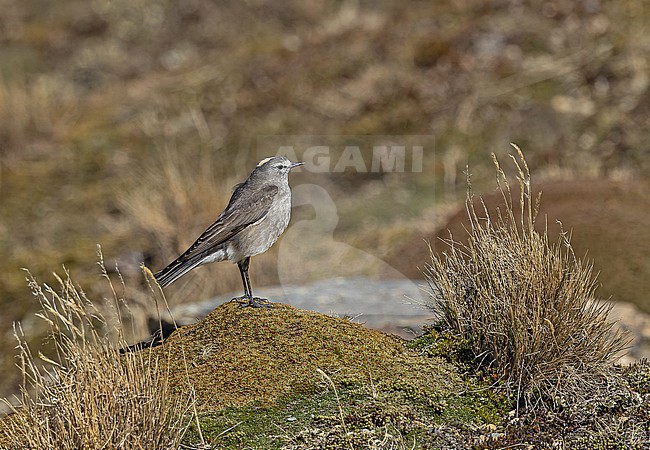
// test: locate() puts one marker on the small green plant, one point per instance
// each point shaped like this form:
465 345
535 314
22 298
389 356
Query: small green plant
526 305
89 395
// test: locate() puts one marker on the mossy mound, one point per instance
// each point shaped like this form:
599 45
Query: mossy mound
237 356
257 384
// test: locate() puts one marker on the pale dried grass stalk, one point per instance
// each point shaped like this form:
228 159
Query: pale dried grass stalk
89 396
526 305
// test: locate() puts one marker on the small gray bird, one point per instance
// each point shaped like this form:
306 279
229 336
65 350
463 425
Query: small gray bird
257 214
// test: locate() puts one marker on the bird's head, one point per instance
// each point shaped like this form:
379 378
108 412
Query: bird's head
276 165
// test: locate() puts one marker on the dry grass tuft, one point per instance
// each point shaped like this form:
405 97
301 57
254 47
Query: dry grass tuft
526 305
89 396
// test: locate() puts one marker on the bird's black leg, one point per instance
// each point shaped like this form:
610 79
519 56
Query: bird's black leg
243 270
254 302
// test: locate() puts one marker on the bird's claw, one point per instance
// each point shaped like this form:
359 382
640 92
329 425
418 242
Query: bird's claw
253 302
257 302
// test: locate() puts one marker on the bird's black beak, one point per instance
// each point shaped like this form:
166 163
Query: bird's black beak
296 164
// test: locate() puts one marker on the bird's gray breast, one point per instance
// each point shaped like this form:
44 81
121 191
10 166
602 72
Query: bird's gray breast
260 236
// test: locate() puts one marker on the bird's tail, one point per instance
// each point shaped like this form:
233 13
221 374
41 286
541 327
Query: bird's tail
175 270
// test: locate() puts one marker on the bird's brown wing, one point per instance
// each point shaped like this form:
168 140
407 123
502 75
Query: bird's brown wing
242 211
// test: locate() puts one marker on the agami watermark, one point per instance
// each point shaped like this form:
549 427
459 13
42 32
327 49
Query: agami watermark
367 153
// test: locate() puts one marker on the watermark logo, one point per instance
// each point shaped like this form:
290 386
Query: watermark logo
309 246
343 153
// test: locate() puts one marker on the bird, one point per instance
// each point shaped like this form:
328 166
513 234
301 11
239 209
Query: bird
257 214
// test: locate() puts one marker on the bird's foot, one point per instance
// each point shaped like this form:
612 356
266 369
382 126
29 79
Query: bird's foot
253 302
243 300
258 302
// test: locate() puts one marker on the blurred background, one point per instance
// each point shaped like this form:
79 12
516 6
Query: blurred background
126 123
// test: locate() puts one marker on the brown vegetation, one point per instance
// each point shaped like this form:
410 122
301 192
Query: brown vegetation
524 302
96 97
89 395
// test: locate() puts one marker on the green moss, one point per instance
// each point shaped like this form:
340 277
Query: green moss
638 376
359 413
443 344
